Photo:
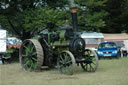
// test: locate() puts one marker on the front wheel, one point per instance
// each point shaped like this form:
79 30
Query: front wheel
66 62
91 61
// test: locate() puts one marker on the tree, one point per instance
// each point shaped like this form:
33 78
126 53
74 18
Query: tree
26 17
124 16
91 14
114 22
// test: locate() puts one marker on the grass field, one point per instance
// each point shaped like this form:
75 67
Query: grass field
110 72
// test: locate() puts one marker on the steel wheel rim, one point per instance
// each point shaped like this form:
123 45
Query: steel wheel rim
66 63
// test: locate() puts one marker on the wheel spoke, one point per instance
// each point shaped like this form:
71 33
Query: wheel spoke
67 69
91 68
65 55
60 66
34 64
86 65
27 63
31 65
69 58
62 58
27 49
32 48
93 63
93 59
24 55
33 58
26 59
68 62
34 54
61 62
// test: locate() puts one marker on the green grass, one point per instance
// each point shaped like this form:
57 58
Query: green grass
110 72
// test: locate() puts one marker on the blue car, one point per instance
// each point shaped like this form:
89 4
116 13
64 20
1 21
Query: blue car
109 49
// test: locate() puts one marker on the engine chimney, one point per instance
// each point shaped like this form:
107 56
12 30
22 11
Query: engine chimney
74 15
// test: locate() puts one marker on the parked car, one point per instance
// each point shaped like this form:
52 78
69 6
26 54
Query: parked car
109 49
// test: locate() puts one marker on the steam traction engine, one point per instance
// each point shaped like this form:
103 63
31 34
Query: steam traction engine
62 49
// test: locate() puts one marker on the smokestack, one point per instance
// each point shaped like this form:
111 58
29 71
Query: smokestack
74 19
74 15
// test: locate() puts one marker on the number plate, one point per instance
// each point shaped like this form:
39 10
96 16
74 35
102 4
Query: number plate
107 55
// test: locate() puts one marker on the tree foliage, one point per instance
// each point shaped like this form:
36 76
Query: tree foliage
91 16
24 18
116 21
124 16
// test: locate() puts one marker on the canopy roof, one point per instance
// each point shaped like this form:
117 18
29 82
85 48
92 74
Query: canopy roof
92 35
116 36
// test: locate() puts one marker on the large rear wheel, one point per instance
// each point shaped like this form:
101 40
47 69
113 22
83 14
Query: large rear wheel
91 61
31 55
